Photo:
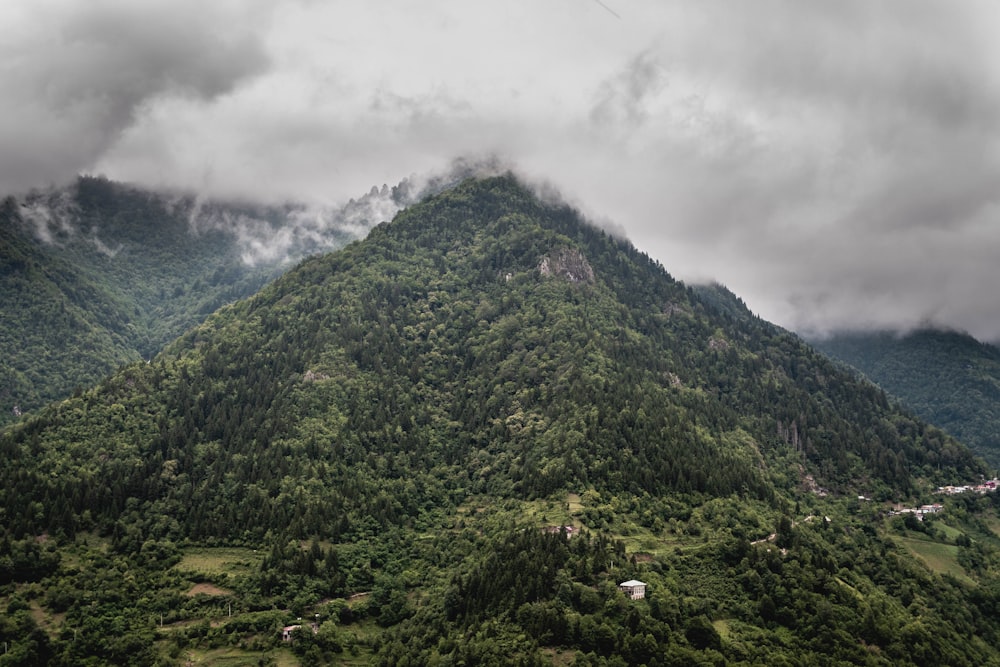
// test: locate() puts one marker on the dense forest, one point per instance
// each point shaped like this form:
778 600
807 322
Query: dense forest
447 443
946 377
101 274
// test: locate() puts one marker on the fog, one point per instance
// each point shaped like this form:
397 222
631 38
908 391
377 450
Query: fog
834 164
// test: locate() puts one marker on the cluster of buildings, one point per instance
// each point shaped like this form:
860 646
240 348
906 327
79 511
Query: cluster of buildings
918 511
985 487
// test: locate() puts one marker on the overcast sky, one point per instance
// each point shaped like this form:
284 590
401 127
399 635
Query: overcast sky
835 163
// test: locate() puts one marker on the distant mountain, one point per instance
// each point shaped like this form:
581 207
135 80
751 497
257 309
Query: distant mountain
394 440
101 274
946 377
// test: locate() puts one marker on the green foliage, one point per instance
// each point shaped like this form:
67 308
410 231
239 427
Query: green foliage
25 560
388 425
102 275
948 378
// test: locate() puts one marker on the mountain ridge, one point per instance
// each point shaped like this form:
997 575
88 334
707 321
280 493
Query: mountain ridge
388 433
100 274
754 388
947 377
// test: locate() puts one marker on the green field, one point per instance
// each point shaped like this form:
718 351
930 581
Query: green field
573 504
950 532
939 557
219 560
233 657
722 627
993 523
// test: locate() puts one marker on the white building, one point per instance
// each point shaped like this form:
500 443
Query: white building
636 590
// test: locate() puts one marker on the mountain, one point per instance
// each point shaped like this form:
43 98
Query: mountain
101 274
722 299
397 440
946 377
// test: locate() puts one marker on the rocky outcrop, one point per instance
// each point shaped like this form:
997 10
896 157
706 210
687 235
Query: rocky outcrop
567 263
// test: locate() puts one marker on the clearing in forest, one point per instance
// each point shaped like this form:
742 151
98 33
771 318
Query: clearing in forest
220 560
940 558
207 589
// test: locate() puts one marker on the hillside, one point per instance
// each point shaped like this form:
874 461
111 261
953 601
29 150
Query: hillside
101 274
379 437
948 378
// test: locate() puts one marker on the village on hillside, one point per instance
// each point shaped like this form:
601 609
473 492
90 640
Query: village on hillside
986 487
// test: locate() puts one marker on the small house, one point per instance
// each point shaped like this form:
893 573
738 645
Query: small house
286 632
635 590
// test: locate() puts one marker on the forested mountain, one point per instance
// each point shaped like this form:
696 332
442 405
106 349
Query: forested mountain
395 439
721 299
946 377
101 274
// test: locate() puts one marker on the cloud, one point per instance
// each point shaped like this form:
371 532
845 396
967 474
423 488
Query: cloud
622 100
834 164
279 235
76 75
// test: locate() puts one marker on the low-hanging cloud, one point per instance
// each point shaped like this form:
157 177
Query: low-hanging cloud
832 163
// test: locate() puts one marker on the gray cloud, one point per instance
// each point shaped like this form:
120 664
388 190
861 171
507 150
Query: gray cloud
75 75
622 100
832 163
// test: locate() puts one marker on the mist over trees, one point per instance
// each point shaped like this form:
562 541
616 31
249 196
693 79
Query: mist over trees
102 274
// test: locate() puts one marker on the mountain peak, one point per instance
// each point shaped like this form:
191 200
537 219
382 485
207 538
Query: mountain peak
422 406
458 337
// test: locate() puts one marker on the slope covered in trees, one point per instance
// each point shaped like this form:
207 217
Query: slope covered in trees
101 274
948 378
398 420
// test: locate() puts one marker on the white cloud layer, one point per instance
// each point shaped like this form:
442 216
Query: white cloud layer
834 163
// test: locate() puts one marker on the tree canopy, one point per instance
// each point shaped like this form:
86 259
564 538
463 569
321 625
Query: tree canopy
386 435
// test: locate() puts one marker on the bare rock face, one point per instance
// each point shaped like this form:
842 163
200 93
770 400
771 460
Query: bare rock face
567 263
